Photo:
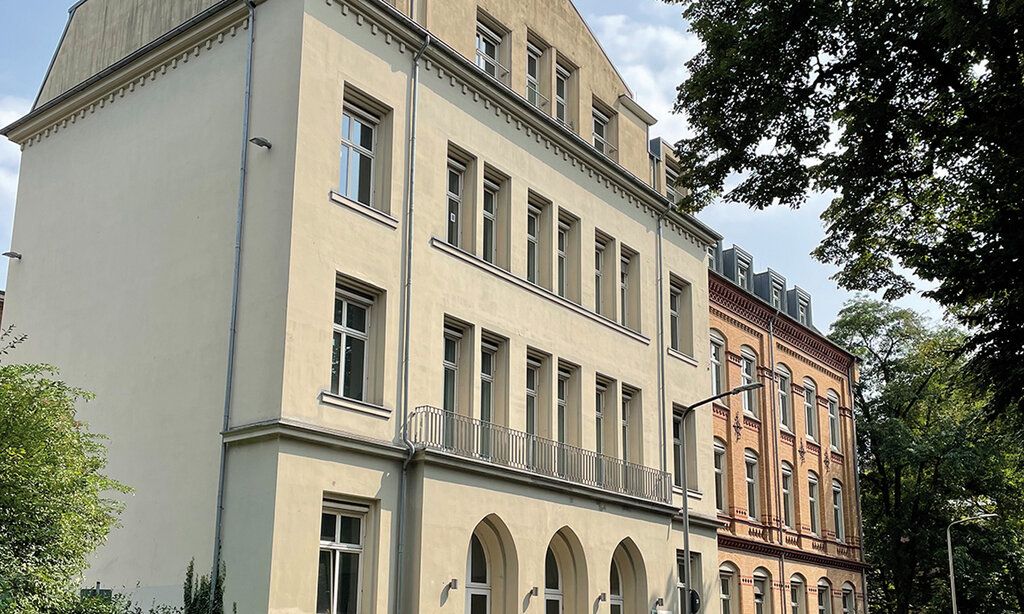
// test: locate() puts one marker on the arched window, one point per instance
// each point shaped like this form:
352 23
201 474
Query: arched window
753 484
787 495
837 510
835 434
615 589
824 597
553 593
717 362
813 502
785 397
748 375
849 599
478 588
762 591
811 408
797 595
727 575
721 479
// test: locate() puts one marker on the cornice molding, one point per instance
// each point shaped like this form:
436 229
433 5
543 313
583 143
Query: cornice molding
759 315
728 542
78 105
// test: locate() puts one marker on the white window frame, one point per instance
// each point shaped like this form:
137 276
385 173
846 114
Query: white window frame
721 480
748 374
532 370
533 93
785 397
762 588
452 366
562 80
751 465
675 293
743 275
837 511
349 297
811 410
717 361
562 246
726 589
797 596
627 410
337 548
849 601
477 588
602 124
813 494
824 598
777 293
489 240
553 594
835 427
455 198
599 394
484 61
562 405
533 213
615 599
802 312
599 253
624 263
366 118
788 515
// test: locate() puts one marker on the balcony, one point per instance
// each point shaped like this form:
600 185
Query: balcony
436 429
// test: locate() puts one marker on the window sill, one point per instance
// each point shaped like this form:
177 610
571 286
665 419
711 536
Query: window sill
378 411
690 360
374 214
480 263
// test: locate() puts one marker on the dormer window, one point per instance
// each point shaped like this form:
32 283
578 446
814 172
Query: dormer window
603 132
802 313
712 258
743 275
671 179
777 296
488 52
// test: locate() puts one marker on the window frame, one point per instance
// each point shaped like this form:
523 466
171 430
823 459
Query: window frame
811 421
534 95
348 296
602 139
785 394
721 464
752 479
533 242
718 371
374 121
788 495
484 589
337 548
563 77
492 189
487 34
835 424
454 222
748 375
556 594
838 513
814 504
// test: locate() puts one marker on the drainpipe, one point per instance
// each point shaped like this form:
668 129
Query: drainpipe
661 345
406 327
775 424
856 485
233 326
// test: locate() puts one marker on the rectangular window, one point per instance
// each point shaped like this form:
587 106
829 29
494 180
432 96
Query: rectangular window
671 179
350 356
490 230
599 251
785 400
849 602
743 275
753 506
533 87
601 392
533 244
358 152
720 500
562 76
802 312
627 400
834 428
812 500
837 511
488 360
562 405
452 340
684 449
725 587
777 296
794 596
748 366
717 372
787 496
680 311
341 551
456 181
713 257
602 133
488 52
532 380
563 258
811 410
696 577
628 315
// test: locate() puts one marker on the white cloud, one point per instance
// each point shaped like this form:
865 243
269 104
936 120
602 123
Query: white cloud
11 108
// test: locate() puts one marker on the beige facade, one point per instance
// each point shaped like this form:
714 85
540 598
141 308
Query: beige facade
455 368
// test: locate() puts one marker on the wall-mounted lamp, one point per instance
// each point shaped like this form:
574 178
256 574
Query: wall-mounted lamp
534 591
453 584
660 601
12 255
259 141
602 597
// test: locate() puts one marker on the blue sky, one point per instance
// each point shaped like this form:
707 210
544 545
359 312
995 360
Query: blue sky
646 39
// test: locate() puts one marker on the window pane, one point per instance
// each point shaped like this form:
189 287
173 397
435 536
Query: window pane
454 182
356 317
485 401
450 350
477 562
449 390
551 579
336 363
553 606
478 604
323 583
613 580
348 582
453 221
328 526
355 367
364 178
339 312
488 240
344 171
365 136
350 530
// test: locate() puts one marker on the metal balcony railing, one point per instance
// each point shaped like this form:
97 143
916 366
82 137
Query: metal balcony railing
498 445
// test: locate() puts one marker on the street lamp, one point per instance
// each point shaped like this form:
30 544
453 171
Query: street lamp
686 496
949 546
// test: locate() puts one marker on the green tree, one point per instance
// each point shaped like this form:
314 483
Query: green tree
929 456
911 111
54 503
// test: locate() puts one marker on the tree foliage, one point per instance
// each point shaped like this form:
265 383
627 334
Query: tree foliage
54 503
930 456
912 111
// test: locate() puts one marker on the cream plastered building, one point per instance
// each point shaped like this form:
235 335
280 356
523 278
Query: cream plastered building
384 307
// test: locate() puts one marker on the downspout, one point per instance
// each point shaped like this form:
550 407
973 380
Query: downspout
856 485
661 346
233 325
775 425
406 326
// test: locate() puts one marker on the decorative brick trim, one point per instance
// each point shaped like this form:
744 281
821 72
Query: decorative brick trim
729 542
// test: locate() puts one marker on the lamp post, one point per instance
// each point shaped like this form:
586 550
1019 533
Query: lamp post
686 495
949 547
